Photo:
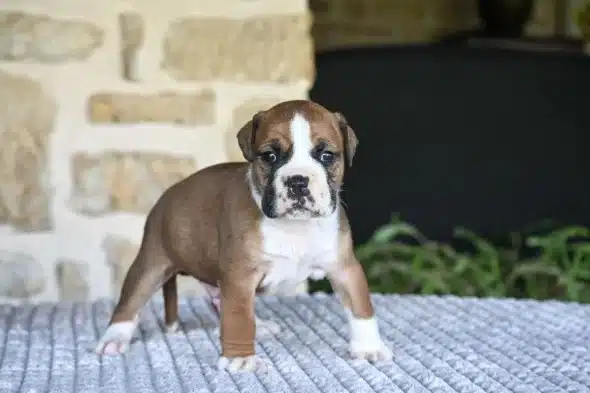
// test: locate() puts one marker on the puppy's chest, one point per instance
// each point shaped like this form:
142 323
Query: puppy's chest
295 250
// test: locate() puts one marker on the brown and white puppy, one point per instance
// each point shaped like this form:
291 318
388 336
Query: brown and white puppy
259 226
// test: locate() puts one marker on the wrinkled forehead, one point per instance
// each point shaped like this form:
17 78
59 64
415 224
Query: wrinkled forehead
298 125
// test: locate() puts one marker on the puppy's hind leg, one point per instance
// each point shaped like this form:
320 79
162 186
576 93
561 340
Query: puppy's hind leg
213 297
140 283
170 292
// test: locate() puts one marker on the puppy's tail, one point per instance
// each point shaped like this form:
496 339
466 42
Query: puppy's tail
170 292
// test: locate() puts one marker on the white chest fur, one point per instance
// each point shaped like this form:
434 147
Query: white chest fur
297 249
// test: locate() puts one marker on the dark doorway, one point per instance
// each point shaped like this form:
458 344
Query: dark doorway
487 139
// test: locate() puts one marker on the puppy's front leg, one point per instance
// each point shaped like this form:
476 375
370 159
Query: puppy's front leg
350 283
238 322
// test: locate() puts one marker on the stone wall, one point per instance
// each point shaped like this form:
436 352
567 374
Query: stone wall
107 103
345 23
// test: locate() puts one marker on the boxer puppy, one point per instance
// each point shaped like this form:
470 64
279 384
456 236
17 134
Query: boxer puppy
261 225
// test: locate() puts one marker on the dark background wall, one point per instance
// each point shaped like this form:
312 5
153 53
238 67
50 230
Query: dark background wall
355 23
485 139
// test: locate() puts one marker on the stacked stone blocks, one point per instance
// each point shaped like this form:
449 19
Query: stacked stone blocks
106 105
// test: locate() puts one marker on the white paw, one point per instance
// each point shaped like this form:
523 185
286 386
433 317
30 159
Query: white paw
116 338
172 328
375 352
248 363
317 274
265 327
365 340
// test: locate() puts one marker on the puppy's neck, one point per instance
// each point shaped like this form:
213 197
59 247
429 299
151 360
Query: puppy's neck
257 197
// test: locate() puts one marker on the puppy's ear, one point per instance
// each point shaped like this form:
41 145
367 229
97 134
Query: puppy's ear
246 137
350 140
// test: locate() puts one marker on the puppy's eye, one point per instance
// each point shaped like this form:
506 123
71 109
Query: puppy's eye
268 156
326 157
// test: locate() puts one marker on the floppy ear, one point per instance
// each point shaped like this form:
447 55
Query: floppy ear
246 137
349 137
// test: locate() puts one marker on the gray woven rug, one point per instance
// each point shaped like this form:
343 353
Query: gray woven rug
441 344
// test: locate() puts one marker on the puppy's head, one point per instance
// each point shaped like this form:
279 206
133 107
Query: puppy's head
298 151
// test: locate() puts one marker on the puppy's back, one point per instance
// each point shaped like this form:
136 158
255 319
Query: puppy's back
184 220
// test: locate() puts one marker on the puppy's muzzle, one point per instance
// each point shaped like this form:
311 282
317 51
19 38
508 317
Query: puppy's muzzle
297 188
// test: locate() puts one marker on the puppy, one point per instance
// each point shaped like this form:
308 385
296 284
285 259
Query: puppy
264 225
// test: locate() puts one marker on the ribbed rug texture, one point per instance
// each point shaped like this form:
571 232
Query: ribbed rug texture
441 344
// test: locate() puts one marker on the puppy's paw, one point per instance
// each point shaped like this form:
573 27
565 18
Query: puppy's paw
373 352
317 274
365 340
172 327
116 339
265 327
239 364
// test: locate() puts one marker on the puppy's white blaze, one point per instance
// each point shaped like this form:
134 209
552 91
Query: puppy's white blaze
301 138
302 163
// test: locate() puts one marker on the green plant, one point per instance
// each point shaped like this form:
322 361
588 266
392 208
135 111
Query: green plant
582 19
552 265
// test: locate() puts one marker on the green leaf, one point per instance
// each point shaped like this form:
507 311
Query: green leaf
393 230
558 237
562 271
534 269
480 243
570 232
582 249
381 268
449 252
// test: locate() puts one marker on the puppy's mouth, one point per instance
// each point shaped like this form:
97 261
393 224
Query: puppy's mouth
302 210
303 202
299 209
300 213
290 203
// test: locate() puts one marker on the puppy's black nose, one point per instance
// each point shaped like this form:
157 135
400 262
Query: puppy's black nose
297 186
